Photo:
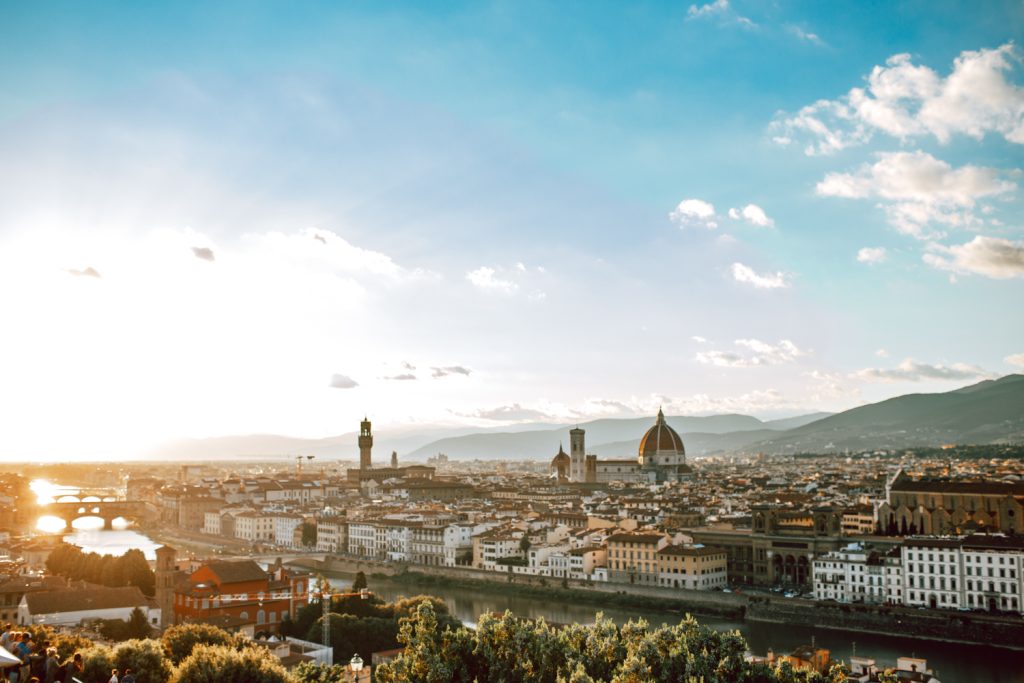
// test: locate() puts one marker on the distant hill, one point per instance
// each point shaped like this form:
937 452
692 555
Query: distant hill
987 412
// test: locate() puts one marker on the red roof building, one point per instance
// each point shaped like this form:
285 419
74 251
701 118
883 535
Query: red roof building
244 590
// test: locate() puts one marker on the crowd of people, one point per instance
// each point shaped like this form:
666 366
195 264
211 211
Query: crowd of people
39 661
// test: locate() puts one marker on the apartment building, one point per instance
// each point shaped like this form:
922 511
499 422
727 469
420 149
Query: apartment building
695 567
856 573
633 557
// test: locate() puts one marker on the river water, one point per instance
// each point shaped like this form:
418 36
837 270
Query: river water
952 662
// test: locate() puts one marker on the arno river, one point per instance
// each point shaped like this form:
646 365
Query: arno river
952 662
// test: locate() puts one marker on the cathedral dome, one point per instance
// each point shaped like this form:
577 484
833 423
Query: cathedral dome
560 463
660 440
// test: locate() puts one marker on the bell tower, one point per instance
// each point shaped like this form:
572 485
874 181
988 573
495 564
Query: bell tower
166 570
577 455
365 445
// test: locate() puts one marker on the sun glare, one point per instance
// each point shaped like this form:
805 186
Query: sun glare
48 524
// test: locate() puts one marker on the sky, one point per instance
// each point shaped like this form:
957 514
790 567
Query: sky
270 217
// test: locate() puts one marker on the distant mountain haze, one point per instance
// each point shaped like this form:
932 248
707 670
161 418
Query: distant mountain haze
987 412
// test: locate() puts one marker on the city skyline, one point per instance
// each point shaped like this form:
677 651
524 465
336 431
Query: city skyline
245 219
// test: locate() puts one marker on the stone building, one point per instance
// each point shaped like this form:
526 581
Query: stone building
945 506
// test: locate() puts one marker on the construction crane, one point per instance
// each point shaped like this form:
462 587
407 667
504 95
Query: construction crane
326 597
298 464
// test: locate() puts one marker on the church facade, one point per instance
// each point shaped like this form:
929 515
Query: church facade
661 458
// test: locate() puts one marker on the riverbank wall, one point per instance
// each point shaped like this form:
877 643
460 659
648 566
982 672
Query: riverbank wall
930 624
961 627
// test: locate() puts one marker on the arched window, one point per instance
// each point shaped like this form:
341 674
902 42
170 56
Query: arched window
261 617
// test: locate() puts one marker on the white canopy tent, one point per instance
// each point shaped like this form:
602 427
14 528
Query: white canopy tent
7 660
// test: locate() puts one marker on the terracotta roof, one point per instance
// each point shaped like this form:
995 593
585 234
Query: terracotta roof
690 550
238 571
947 486
661 439
635 538
84 600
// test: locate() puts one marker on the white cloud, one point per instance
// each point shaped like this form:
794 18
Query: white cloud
753 214
699 339
1015 359
484 278
747 275
992 257
694 213
754 353
912 371
904 100
806 36
84 272
342 382
437 373
718 7
882 353
871 254
514 412
917 190
204 253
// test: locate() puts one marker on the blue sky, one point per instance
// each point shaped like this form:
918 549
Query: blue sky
577 209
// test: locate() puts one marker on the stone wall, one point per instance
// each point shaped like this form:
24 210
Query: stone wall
932 624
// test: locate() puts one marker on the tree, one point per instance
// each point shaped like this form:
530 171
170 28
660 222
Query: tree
311 672
524 545
137 572
66 644
97 661
181 639
308 534
351 634
138 625
507 648
359 583
146 658
214 663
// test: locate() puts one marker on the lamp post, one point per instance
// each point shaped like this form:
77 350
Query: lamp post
355 667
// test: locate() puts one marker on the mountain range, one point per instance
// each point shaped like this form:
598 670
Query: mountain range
991 411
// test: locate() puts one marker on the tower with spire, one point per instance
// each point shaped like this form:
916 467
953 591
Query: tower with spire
365 445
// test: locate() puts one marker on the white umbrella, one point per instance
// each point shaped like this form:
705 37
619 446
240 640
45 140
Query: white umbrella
7 660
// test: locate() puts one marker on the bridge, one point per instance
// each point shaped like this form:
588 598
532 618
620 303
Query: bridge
107 510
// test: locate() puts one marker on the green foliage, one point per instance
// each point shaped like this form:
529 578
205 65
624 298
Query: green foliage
181 639
506 648
66 644
220 664
146 659
360 582
363 625
117 630
311 672
350 634
308 534
98 662
130 569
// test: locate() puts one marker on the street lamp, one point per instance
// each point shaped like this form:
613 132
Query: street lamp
356 663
